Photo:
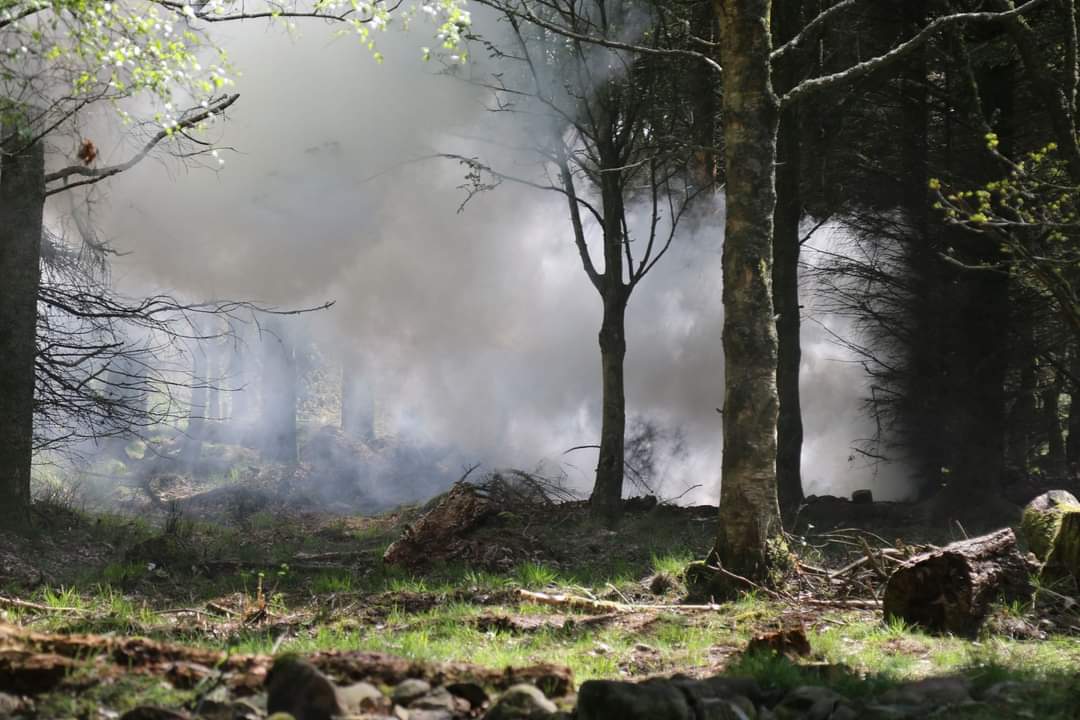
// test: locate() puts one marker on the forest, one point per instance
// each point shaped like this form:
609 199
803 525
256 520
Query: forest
539 359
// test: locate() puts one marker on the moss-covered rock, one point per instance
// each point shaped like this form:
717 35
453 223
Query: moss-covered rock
1042 518
1064 558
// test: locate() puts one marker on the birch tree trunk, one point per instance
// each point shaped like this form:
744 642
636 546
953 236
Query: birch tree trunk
749 541
22 201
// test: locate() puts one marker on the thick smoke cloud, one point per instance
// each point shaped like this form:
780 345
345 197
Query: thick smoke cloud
481 325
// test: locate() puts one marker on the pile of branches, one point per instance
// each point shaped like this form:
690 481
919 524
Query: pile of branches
444 532
862 561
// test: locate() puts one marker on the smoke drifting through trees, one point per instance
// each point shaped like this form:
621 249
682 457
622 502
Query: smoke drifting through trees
479 328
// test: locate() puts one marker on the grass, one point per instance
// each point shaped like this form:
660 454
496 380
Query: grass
458 613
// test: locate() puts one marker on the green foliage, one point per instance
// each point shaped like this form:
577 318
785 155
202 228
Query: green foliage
1032 214
535 575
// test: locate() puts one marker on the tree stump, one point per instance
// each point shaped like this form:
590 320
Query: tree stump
950 589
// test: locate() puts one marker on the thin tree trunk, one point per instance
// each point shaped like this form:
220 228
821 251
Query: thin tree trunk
785 277
22 201
606 498
357 401
196 425
278 416
750 535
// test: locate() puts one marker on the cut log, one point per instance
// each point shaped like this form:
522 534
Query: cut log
1041 519
950 589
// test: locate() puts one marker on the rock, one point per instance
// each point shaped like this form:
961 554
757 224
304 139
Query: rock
409 690
1009 691
1064 558
809 702
720 687
1042 518
862 497
147 712
893 712
9 705
737 708
360 698
608 700
438 699
471 693
414 714
296 687
931 691
521 702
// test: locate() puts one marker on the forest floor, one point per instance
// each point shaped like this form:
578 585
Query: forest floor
216 600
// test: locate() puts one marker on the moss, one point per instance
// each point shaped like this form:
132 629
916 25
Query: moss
1039 527
1064 556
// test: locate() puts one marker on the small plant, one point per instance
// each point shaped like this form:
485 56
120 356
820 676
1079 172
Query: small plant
331 583
535 575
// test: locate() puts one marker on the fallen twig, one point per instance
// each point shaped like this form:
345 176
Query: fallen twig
25 604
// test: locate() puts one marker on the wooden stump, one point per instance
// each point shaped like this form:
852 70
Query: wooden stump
950 589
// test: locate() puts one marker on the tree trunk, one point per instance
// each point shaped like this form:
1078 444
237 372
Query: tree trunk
1072 442
606 498
22 201
357 400
951 589
749 540
278 412
196 424
785 278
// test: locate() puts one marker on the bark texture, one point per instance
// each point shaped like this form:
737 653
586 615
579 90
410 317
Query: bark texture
22 200
606 496
951 589
750 529
789 430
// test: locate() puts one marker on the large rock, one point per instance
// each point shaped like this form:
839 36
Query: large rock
1042 518
1064 557
521 702
611 700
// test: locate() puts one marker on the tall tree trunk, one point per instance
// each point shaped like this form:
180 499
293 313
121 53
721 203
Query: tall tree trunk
606 498
278 416
357 400
22 201
785 278
196 424
750 529
1056 463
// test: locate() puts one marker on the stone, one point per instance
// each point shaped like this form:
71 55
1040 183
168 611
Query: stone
409 690
931 691
1009 691
296 687
414 714
360 698
9 705
1041 519
738 708
147 712
608 700
437 699
521 702
862 497
720 687
809 702
471 693
893 712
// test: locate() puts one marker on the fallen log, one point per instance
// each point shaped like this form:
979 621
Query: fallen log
950 589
